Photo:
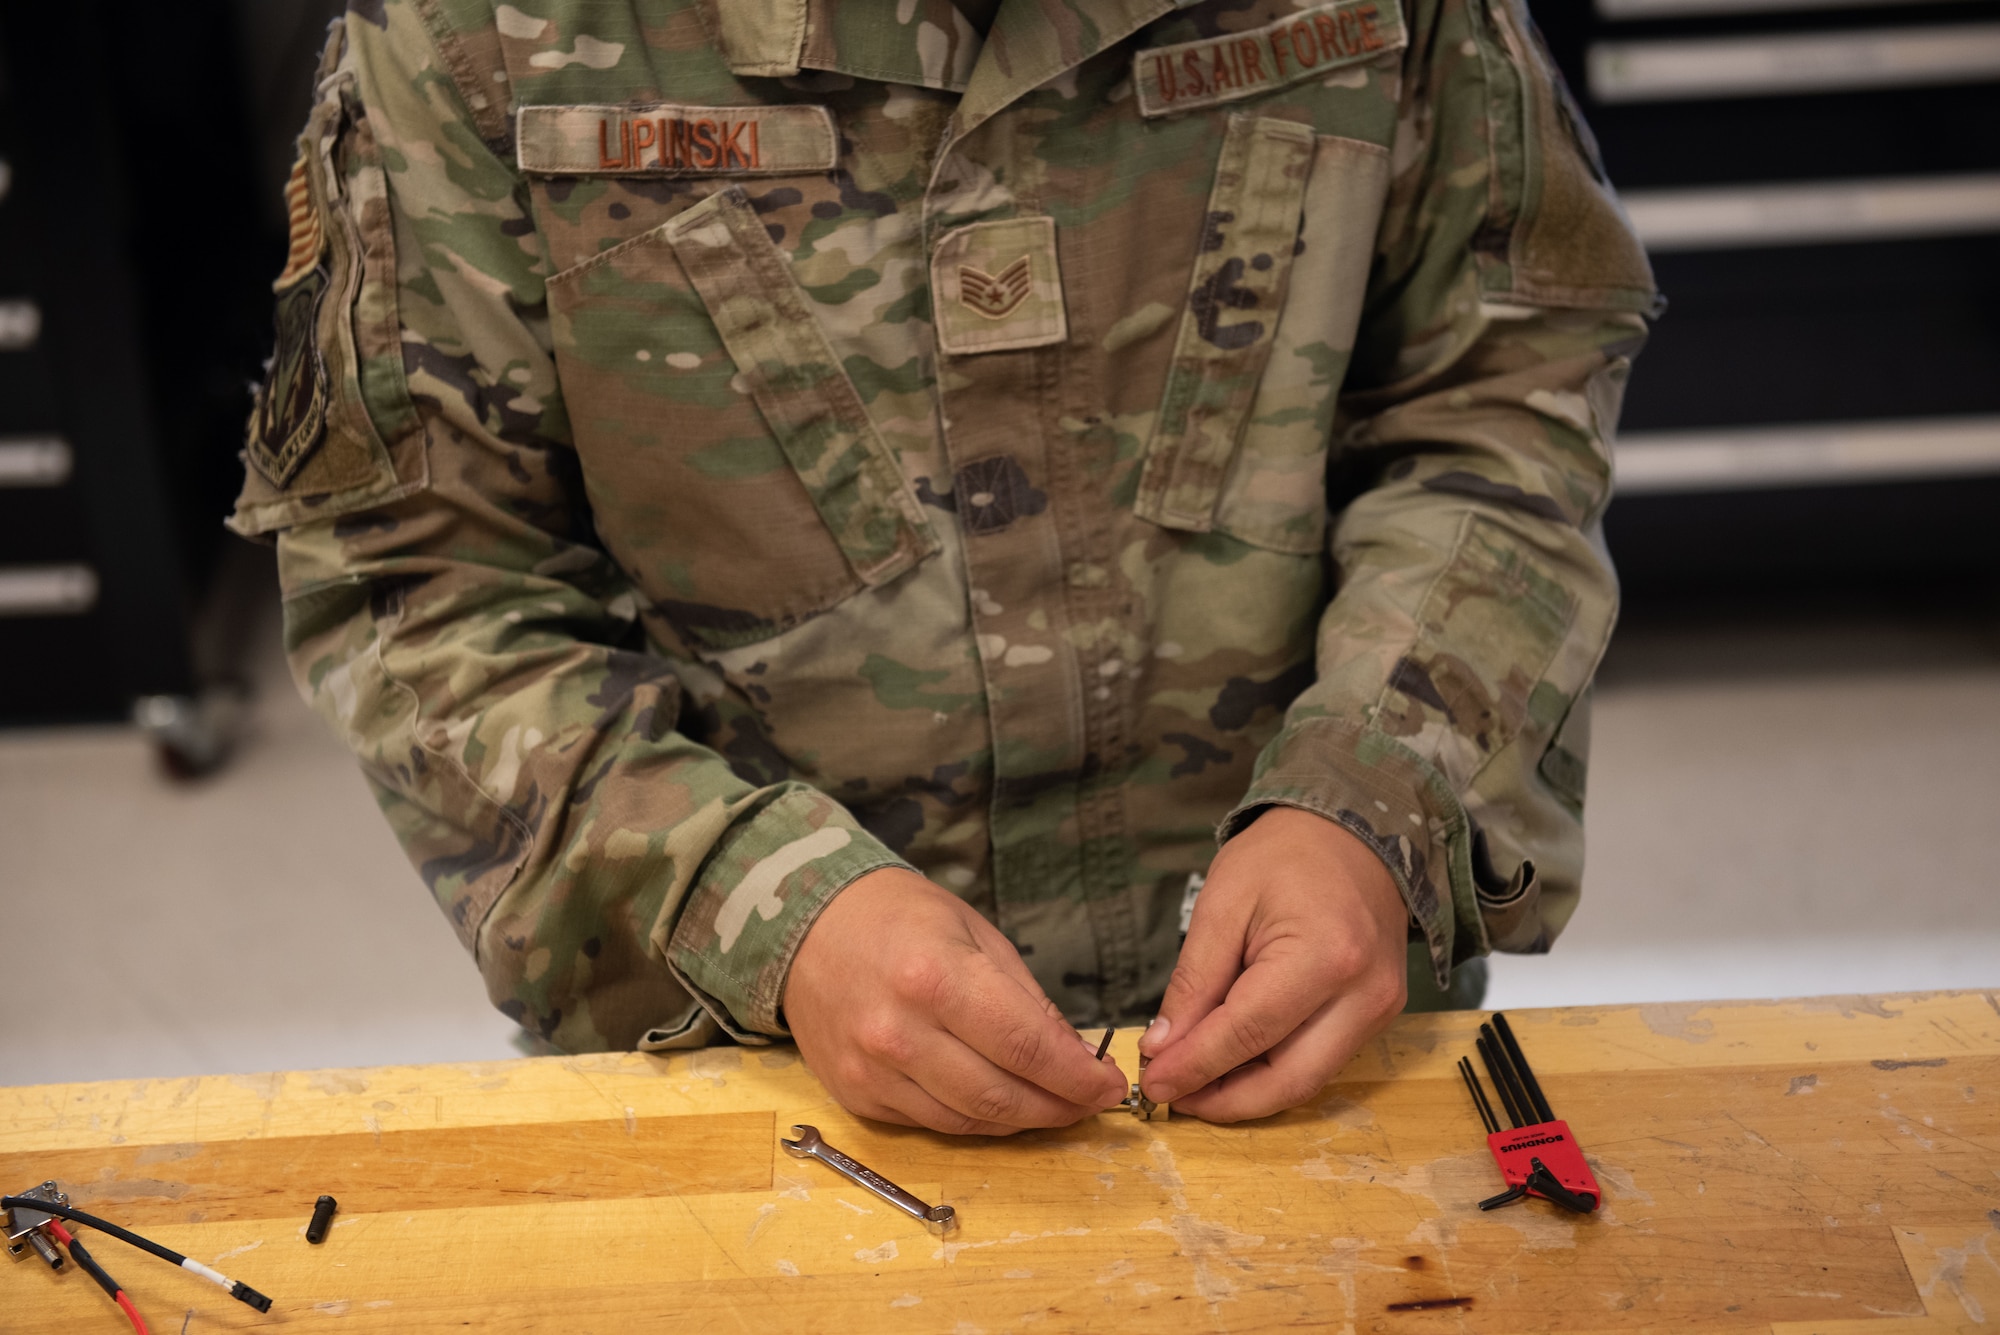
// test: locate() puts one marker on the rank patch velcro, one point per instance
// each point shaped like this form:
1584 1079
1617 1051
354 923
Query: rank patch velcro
1305 45
998 287
669 139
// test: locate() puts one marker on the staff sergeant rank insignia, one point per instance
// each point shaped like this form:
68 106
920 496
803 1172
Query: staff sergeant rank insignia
995 296
1309 44
675 140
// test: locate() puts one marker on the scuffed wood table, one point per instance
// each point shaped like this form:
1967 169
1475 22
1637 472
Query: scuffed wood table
1827 1166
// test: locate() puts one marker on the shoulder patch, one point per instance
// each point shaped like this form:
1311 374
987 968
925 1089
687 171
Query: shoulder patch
669 139
307 243
290 412
1301 46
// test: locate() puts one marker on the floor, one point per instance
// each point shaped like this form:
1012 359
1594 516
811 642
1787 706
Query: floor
1782 803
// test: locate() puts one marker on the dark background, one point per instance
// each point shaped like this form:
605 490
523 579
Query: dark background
1890 329
148 145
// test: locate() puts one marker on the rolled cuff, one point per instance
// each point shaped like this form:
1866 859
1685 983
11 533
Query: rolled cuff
1385 795
758 894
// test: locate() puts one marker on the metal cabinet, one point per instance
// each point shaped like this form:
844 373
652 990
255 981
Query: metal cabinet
1818 183
133 314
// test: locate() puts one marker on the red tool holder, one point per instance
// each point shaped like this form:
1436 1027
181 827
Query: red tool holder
1538 1156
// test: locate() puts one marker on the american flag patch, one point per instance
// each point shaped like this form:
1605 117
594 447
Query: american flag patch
308 236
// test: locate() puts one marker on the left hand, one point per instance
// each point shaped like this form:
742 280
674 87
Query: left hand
1295 958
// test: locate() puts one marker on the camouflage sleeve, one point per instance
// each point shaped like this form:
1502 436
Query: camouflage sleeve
447 610
1448 723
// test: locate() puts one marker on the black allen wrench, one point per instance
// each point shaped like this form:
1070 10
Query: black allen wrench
1536 1137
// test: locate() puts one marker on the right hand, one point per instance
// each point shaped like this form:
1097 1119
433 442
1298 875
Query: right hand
911 1008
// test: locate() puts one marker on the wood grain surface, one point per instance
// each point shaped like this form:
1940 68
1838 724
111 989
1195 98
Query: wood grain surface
1819 1167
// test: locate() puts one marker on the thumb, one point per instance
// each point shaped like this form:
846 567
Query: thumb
1001 951
1211 959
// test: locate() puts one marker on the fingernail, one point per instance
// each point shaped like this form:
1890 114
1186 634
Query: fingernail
1088 1046
1155 1036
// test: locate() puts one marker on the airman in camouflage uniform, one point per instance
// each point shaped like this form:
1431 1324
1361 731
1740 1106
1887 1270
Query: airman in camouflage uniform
720 448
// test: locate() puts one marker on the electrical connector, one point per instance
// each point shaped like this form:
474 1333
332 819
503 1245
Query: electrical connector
47 1199
28 1227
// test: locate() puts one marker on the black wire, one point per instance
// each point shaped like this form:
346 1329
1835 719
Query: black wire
124 1235
1528 1082
238 1290
1105 1046
81 1255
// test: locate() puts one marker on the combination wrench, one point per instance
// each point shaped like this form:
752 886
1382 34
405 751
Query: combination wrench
939 1219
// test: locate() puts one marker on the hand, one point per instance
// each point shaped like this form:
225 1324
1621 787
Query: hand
1295 958
911 1008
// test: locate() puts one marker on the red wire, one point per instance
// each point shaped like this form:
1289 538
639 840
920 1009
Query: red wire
138 1322
62 1235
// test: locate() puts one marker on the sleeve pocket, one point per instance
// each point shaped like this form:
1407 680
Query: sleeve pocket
333 429
1487 630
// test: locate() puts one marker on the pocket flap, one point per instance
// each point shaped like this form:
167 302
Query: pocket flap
800 386
1234 296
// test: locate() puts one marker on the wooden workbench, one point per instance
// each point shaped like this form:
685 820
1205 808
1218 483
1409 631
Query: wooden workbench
1828 1166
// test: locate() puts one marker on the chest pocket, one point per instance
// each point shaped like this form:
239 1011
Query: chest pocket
731 464
1240 441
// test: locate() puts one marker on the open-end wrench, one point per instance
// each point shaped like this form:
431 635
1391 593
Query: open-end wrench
939 1219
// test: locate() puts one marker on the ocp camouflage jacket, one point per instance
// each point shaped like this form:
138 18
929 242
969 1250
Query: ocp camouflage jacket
721 447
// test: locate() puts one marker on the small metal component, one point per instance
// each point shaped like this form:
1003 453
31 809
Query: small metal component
25 1226
939 1219
322 1219
1195 882
1136 1103
46 1250
1142 1107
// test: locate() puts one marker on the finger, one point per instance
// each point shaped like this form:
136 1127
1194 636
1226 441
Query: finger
1008 960
1000 952
908 1104
993 1015
1294 1071
1267 1002
1210 960
967 1083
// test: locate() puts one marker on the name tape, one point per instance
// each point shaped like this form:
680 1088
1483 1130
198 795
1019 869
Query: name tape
670 139
1312 42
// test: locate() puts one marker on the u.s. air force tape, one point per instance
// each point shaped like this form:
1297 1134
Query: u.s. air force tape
1309 44
672 139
